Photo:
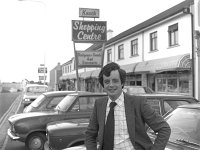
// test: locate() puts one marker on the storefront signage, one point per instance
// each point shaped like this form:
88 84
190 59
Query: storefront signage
42 70
89 31
42 78
89 59
88 13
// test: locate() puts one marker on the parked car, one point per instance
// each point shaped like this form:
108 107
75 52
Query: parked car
80 147
31 92
47 101
31 127
62 134
135 90
185 128
164 103
58 131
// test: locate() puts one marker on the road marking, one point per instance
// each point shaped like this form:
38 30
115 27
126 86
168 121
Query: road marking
7 112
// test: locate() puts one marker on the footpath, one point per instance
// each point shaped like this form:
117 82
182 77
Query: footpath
4 125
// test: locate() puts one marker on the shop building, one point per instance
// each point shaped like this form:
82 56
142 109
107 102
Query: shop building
157 53
55 74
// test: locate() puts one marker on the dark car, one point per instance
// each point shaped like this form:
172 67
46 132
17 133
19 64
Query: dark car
162 103
62 134
80 147
185 128
31 127
47 101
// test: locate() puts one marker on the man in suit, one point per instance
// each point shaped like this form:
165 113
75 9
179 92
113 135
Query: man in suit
130 115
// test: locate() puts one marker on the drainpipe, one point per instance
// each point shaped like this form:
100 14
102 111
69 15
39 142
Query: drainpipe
143 46
193 61
114 53
187 11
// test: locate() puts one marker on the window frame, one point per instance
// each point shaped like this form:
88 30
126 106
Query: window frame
134 47
173 35
109 55
153 41
121 51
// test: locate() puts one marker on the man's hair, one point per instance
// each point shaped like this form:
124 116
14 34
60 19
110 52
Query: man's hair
106 70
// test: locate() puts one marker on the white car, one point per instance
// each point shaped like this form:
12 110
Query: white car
31 92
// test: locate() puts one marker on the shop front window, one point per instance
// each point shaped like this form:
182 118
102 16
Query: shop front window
172 85
173 82
161 85
134 80
184 86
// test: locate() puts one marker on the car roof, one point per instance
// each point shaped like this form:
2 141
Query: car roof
135 86
31 85
192 106
166 95
82 93
51 93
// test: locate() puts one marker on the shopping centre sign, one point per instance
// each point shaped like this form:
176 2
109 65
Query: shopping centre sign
88 13
89 31
89 59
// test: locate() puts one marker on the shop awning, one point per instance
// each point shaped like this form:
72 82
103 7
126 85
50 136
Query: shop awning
85 75
129 67
70 76
95 73
180 62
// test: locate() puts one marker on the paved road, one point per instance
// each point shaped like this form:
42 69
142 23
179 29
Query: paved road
6 99
14 145
11 110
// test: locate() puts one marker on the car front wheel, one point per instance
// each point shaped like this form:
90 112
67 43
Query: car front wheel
35 141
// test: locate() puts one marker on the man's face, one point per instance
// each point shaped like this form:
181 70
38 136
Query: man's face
113 85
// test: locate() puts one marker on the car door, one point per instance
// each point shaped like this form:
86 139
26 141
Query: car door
171 104
53 102
82 107
155 103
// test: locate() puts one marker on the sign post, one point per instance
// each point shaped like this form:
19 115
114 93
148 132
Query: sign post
197 48
42 70
88 32
76 66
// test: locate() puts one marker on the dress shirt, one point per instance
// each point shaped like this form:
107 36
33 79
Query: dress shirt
121 136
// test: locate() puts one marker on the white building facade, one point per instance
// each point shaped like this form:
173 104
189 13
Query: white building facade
158 53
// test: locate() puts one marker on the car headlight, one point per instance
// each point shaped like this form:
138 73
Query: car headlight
47 135
12 127
26 99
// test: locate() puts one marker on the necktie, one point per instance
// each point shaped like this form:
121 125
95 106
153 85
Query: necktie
108 141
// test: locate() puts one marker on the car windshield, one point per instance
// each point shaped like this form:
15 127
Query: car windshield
36 89
38 101
185 125
65 103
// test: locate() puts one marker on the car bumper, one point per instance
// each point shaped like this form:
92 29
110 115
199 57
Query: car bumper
12 135
26 103
46 146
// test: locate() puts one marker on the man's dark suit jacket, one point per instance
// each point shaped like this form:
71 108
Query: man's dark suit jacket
138 112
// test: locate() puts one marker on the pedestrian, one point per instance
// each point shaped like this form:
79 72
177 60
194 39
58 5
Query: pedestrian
126 131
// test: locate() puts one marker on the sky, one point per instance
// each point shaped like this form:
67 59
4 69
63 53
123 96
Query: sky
35 32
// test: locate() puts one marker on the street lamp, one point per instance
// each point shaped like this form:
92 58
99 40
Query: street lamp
44 68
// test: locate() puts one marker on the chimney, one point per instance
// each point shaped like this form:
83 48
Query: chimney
109 34
58 66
